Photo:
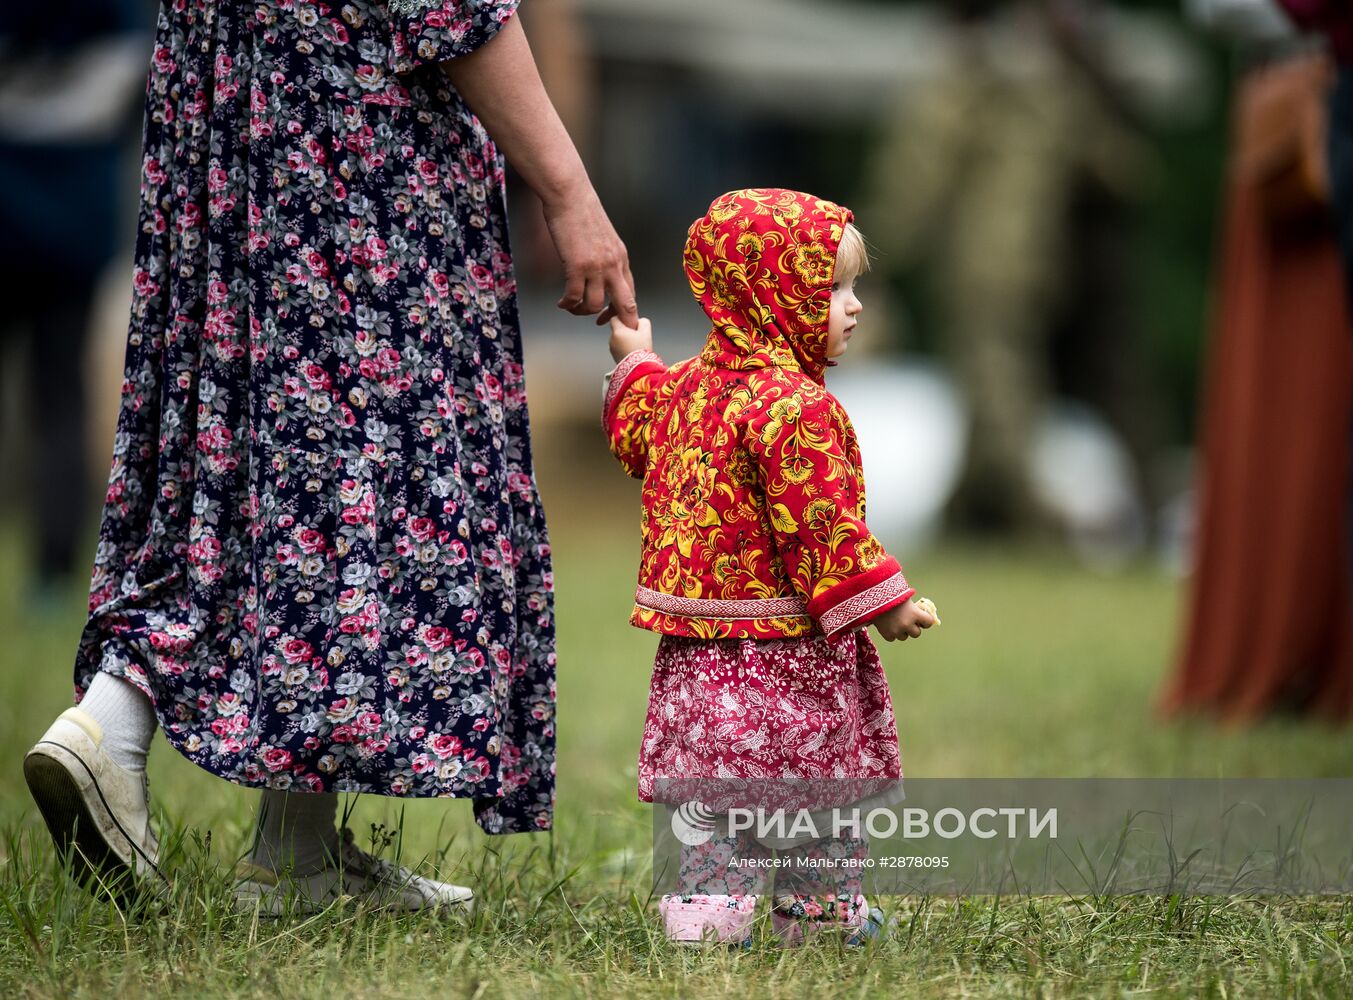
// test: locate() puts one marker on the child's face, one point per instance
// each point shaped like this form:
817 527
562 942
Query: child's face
841 320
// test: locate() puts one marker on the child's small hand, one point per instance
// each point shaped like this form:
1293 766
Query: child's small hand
626 340
902 621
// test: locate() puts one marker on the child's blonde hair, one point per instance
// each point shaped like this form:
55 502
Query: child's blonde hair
852 256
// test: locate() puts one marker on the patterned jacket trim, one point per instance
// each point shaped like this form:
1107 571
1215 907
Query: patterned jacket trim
716 609
619 378
860 608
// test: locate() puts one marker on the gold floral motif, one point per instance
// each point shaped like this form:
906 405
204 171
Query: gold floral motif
797 470
727 282
813 312
750 246
819 513
782 411
690 486
869 552
740 470
813 264
723 210
752 479
787 210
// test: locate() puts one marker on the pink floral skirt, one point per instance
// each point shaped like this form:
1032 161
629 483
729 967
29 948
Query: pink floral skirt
812 708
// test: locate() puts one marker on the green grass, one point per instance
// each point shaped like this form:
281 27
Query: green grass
1040 669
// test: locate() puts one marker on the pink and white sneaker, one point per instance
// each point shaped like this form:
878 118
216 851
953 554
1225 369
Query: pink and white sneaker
795 919
697 919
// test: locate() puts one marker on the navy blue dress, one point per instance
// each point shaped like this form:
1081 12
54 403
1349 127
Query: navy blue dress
322 552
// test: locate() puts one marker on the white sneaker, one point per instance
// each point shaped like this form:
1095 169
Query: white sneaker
92 804
355 874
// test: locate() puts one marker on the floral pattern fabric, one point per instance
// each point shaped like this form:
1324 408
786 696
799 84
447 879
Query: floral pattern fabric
816 709
753 491
322 552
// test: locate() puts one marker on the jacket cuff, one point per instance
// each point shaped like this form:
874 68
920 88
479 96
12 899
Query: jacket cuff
856 602
618 379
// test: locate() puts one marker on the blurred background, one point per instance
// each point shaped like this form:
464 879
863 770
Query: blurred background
1039 182
1049 189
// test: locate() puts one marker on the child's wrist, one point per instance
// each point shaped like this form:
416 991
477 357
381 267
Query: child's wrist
620 352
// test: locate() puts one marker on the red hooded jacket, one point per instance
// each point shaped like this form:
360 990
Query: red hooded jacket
753 496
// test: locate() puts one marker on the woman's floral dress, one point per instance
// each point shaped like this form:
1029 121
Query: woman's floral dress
322 552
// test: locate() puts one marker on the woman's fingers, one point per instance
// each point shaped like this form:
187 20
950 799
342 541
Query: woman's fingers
583 296
629 304
621 304
574 286
620 290
596 263
594 298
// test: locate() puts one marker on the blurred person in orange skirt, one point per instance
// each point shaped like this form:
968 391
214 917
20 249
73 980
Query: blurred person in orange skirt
1269 623
757 567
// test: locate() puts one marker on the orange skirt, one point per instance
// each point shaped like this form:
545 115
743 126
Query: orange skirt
1269 622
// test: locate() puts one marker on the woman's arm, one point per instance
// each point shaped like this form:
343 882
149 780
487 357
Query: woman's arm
500 83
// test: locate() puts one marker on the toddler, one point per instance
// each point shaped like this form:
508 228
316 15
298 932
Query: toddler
757 567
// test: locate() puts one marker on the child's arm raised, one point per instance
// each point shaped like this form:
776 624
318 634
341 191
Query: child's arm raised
815 495
632 389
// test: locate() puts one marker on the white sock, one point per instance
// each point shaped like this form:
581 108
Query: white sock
126 716
296 830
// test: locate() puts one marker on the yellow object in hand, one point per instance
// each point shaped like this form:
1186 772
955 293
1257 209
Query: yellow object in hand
928 606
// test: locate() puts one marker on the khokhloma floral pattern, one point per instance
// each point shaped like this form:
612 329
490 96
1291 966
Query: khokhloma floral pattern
753 496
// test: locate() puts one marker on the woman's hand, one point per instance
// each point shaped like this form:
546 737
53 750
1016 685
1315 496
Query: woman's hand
625 340
596 264
500 83
904 620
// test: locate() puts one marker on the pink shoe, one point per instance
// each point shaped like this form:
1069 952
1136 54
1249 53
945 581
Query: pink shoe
699 918
794 919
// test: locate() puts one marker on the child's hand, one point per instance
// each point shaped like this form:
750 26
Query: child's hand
904 620
626 340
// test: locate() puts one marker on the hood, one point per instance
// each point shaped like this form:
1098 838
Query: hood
760 262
